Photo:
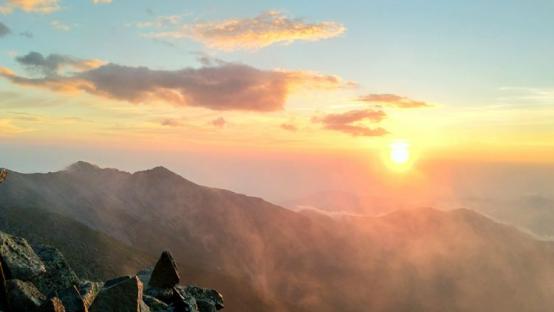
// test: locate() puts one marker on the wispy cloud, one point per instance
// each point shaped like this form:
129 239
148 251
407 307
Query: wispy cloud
393 100
289 127
34 6
171 122
351 122
221 86
160 22
527 95
254 33
59 25
4 30
26 34
101 1
219 122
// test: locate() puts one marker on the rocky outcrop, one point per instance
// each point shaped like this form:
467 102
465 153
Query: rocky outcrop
38 279
165 274
122 294
23 296
18 258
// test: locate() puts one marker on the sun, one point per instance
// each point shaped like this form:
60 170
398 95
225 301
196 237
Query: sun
399 153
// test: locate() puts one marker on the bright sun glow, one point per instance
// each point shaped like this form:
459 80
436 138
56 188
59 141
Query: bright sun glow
399 152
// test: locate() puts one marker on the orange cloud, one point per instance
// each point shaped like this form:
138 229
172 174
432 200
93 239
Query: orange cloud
221 86
36 6
349 122
254 33
393 100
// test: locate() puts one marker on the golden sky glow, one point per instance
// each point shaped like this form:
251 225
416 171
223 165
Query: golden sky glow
262 78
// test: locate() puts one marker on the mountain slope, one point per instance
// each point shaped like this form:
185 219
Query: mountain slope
410 260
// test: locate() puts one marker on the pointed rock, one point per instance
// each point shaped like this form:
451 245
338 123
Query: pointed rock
120 295
24 296
19 259
165 274
53 305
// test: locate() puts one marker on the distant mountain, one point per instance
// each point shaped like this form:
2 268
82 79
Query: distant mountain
408 260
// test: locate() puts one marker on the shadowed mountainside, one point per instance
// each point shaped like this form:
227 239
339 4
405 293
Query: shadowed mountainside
409 260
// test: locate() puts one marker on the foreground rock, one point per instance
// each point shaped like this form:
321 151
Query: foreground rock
18 258
165 274
38 279
53 305
24 296
121 295
58 275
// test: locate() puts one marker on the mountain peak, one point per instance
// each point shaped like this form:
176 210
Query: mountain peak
82 166
158 171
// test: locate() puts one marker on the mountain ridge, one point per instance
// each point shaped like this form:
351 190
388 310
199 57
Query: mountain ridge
409 260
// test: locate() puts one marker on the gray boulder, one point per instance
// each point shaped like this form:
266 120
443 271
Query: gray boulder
165 274
155 304
208 300
183 301
24 296
58 275
18 258
120 295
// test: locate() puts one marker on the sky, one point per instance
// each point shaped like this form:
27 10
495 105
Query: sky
233 92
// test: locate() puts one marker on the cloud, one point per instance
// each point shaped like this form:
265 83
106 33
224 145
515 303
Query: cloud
254 33
353 116
289 127
393 100
171 122
160 22
101 1
219 122
59 25
26 34
34 6
222 86
52 64
4 30
350 122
